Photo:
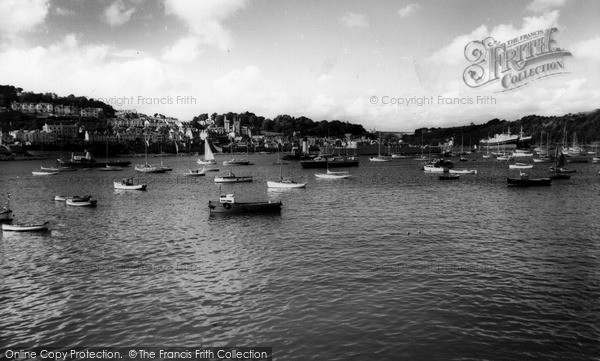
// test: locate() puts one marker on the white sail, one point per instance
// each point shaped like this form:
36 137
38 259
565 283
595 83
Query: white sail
209 156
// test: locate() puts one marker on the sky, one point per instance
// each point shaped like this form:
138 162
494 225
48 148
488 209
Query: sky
357 61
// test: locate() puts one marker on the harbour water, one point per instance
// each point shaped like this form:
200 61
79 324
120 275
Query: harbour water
390 264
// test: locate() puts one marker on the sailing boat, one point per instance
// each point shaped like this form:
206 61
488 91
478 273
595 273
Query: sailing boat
107 167
147 168
544 158
462 150
284 182
559 172
6 212
209 156
193 172
380 158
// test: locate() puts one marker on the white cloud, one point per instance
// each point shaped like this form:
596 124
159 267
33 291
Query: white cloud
117 13
185 50
587 49
538 6
204 18
453 54
354 20
409 10
18 16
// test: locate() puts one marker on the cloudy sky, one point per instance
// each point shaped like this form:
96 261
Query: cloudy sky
321 59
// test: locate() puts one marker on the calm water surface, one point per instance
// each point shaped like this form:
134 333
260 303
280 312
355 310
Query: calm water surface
391 264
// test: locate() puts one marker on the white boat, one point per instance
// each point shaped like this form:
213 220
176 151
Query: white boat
209 156
519 153
148 168
58 198
504 158
430 168
43 172
232 178
79 203
402 156
127 184
596 160
333 175
209 169
462 171
520 166
25 227
284 182
380 158
58 169
195 173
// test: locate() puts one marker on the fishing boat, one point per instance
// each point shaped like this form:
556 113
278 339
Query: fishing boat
228 205
284 182
6 213
520 166
85 198
525 181
232 178
432 168
25 227
81 203
86 161
127 184
462 171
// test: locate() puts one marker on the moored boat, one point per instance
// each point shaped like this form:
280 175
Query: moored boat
110 168
6 213
525 181
462 171
43 172
148 168
330 162
237 161
80 203
195 173
332 175
228 205
127 184
285 183
520 166
232 178
85 198
26 227
209 156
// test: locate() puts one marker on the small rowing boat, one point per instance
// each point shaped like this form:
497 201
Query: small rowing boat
25 227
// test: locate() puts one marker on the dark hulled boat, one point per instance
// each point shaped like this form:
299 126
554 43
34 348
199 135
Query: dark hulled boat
228 205
525 181
330 161
88 161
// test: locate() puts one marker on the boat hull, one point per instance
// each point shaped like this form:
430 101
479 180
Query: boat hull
135 187
534 182
313 164
244 208
232 179
25 227
77 203
273 184
150 169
